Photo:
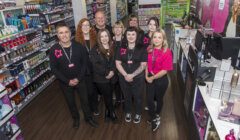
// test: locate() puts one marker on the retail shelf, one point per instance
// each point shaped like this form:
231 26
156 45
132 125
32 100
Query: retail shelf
33 15
16 134
49 45
19 34
55 11
38 63
21 57
24 71
3 93
71 16
12 8
20 46
7 117
31 96
28 83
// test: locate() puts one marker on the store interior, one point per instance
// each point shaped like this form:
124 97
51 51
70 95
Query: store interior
202 101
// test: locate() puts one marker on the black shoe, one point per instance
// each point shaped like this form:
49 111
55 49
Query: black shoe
117 104
92 123
76 124
155 125
114 117
107 116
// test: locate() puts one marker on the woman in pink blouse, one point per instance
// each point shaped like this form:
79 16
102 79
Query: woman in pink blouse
159 63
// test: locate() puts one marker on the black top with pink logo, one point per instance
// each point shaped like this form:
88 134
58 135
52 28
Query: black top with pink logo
131 58
62 68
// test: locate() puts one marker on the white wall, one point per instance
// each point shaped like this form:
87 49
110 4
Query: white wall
79 10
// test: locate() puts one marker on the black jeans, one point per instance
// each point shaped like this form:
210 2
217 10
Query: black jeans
69 94
92 93
106 90
118 92
132 90
156 89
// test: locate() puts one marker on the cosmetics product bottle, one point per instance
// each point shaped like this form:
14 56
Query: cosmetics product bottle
234 79
230 136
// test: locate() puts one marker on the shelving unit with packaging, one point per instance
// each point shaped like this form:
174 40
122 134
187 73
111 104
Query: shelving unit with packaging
121 7
9 128
147 9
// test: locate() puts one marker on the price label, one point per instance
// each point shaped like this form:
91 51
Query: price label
221 4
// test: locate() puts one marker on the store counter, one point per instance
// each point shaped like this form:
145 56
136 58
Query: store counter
213 106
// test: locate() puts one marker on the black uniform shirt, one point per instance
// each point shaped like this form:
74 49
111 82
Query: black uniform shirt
131 59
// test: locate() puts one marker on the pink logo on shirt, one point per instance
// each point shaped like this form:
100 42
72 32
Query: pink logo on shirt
58 53
123 51
145 40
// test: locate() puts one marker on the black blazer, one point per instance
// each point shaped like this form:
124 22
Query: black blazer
101 66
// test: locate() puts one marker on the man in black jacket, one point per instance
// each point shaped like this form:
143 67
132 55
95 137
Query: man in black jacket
68 64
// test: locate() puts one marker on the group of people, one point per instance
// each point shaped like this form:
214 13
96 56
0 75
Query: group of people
103 60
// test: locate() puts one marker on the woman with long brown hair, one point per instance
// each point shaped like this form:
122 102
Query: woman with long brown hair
87 36
102 58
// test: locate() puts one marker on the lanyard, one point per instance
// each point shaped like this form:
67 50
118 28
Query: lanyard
130 55
70 55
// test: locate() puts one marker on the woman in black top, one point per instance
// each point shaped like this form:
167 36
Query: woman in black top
153 25
102 58
87 36
131 61
118 30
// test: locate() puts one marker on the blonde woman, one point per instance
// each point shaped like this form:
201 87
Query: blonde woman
158 65
118 31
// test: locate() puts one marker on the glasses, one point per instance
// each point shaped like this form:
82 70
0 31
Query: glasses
85 25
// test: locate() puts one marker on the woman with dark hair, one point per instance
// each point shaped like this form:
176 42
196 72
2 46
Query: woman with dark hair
131 61
158 65
102 58
153 25
86 35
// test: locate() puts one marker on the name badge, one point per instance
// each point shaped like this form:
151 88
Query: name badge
129 62
71 65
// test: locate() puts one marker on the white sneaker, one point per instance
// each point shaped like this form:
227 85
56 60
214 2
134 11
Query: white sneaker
137 119
128 117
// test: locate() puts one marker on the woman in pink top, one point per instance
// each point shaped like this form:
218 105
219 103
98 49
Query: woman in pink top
159 63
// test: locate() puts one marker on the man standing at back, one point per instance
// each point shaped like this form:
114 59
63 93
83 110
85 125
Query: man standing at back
100 20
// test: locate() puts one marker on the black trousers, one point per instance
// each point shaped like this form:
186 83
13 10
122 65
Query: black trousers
118 91
106 90
157 90
132 90
92 93
69 94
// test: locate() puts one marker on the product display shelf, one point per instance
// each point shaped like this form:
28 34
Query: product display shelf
29 82
6 117
32 95
71 16
18 131
3 93
213 106
10 62
19 34
19 47
57 10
